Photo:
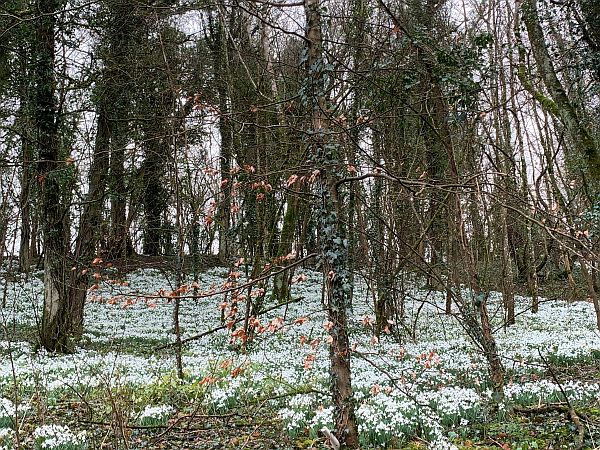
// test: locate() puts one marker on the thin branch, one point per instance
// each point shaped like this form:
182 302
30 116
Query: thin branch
222 327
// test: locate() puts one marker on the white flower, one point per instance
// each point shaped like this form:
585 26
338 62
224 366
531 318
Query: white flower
53 436
152 415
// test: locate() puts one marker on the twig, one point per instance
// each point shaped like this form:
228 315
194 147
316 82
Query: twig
222 327
128 427
176 422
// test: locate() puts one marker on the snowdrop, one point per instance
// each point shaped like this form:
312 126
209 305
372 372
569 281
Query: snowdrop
547 391
58 437
6 438
323 418
155 415
7 411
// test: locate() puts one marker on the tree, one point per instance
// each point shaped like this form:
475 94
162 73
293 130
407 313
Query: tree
557 102
325 158
59 322
121 30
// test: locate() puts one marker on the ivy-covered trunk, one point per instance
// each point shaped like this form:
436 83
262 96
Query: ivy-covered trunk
220 57
90 222
55 175
333 246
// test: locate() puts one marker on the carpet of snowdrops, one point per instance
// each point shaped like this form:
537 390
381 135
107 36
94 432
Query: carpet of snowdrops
433 383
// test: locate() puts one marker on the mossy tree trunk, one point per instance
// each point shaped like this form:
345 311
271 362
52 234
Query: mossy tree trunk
558 101
220 55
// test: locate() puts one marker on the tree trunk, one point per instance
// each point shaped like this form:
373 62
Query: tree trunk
27 193
588 274
155 197
508 293
221 69
119 245
559 102
57 327
281 282
91 219
115 92
333 245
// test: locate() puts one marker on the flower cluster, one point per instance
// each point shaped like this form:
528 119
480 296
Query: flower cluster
384 417
453 404
547 391
58 437
438 380
6 438
323 418
8 411
305 413
156 415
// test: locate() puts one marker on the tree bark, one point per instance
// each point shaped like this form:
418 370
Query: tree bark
27 193
587 269
90 222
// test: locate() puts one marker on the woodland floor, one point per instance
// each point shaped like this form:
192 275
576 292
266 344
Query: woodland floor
269 397
258 428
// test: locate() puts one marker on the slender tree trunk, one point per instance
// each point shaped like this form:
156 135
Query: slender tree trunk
25 201
380 252
333 245
587 272
180 255
508 293
91 220
281 283
27 193
221 69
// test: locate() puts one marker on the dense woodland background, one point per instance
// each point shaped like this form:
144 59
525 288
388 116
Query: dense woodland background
374 139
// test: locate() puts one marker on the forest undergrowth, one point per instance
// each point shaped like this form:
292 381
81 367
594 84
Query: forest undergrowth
422 385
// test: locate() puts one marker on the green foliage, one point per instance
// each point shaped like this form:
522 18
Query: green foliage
317 83
65 177
592 217
462 70
170 390
4 68
7 421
